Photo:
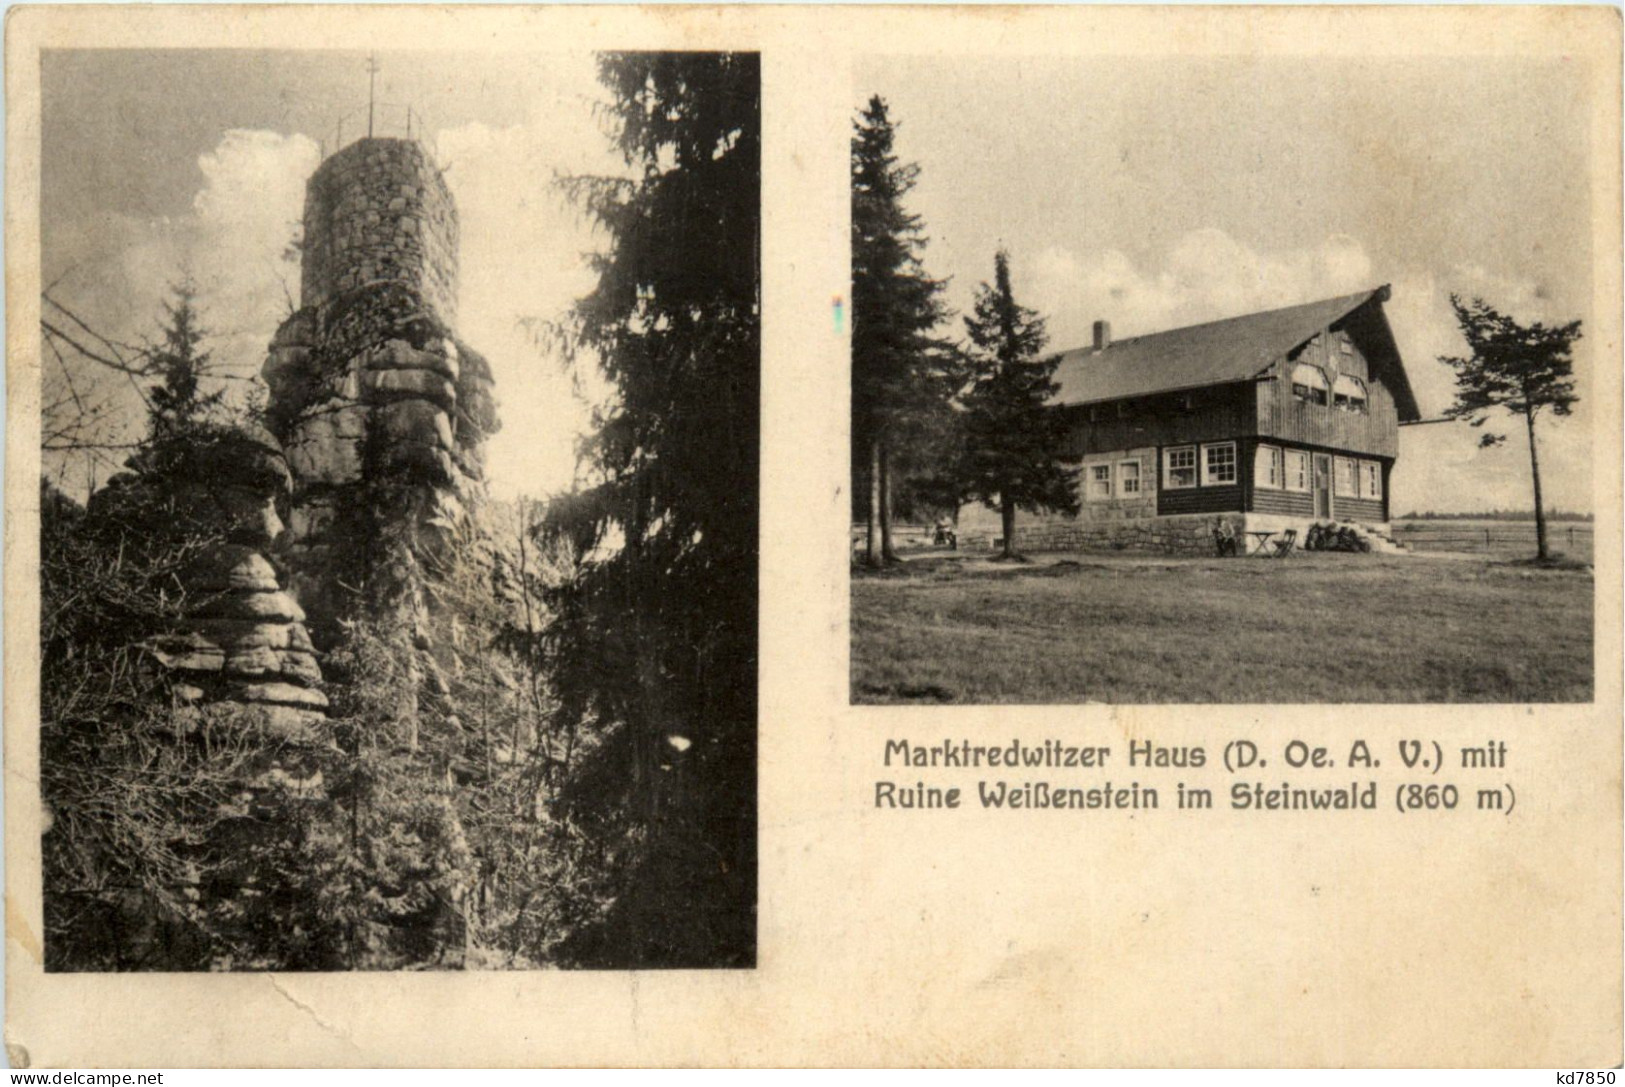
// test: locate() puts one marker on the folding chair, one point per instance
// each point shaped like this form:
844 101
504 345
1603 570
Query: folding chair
1284 546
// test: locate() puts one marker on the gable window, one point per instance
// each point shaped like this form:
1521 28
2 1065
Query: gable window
1348 393
1128 478
1309 383
1346 484
1179 467
1100 482
1267 467
1372 481
1344 344
1218 464
1297 470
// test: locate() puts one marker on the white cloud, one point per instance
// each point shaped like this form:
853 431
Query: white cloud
1203 276
232 243
522 257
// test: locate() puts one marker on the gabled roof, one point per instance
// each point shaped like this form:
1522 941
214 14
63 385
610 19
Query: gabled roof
1234 349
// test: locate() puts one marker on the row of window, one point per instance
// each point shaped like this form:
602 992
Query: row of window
1179 471
1217 463
1289 470
1120 480
1346 392
1214 465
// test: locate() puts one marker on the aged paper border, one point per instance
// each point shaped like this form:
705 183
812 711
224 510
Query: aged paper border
917 939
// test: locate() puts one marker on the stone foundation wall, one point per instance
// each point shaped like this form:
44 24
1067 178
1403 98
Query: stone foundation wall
1176 534
1191 535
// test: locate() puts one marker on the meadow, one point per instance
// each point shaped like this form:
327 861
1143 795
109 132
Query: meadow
1504 539
1311 628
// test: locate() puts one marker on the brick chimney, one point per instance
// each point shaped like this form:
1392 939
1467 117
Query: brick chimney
1103 335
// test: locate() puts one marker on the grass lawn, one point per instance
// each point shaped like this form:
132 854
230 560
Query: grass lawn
1313 628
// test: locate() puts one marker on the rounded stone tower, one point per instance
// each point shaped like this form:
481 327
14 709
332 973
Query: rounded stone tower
379 212
381 409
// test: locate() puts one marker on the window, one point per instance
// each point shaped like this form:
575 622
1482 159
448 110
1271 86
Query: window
1372 483
1344 344
1346 485
1128 479
1179 467
1100 482
1267 467
1218 464
1348 393
1309 383
1297 470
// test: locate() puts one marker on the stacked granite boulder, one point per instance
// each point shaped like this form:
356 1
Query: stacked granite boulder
243 641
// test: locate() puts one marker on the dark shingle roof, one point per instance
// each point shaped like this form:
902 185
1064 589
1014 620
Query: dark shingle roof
1235 349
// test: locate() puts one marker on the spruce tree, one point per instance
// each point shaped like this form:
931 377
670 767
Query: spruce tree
1521 369
903 376
1015 443
652 646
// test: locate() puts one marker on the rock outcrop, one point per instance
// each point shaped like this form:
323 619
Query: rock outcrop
244 640
382 410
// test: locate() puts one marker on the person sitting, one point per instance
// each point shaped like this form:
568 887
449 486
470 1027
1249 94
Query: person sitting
1224 538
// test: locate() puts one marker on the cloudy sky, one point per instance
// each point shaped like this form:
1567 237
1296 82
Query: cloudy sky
159 161
1160 193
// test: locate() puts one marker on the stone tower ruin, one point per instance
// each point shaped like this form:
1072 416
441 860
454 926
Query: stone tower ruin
349 574
367 488
382 411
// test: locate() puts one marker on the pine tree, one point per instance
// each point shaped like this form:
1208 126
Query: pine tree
1521 369
1015 443
652 647
903 377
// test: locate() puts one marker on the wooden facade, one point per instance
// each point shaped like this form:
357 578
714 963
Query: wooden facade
1265 410
1276 419
1335 352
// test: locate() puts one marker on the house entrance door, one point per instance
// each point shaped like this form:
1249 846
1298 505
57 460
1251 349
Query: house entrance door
1323 486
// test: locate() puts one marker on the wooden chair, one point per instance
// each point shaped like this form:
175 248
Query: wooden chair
1284 546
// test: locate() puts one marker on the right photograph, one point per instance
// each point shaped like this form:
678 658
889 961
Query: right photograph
1221 380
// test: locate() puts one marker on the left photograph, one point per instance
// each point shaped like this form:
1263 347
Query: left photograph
398 509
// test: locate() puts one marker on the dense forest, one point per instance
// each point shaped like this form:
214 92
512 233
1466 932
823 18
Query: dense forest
501 734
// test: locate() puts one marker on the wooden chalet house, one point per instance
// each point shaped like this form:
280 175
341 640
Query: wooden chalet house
1269 421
